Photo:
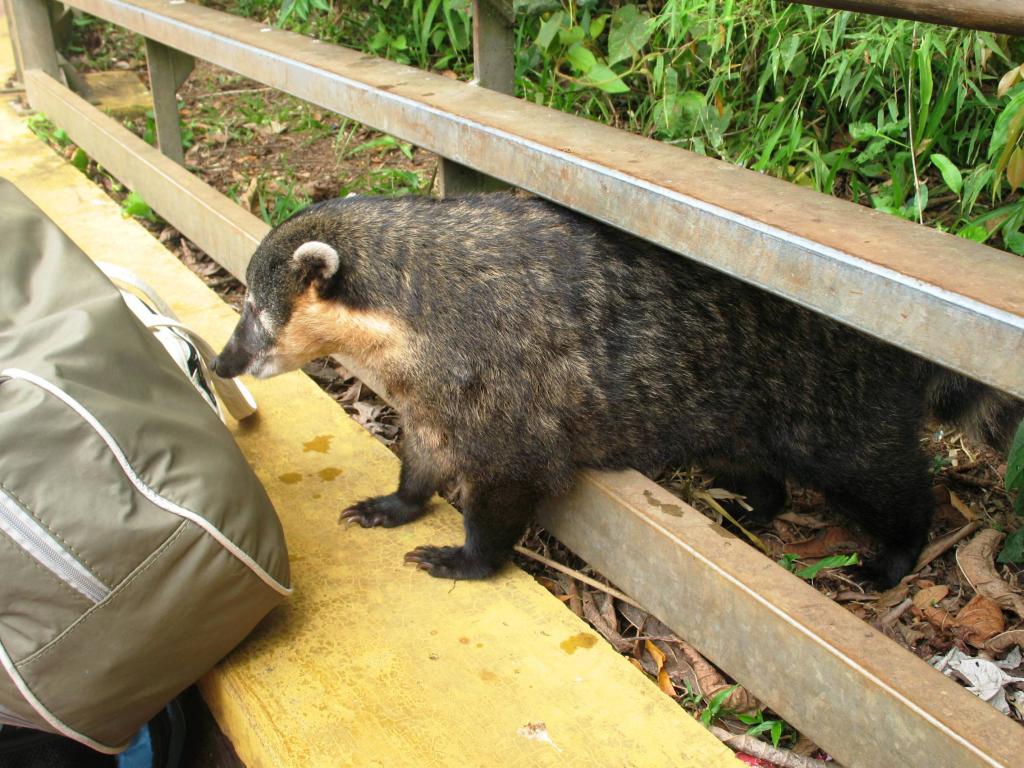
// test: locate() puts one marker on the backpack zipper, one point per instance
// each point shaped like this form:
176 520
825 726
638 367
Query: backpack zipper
27 533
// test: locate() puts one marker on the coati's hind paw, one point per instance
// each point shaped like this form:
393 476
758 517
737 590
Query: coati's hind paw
449 563
384 511
886 569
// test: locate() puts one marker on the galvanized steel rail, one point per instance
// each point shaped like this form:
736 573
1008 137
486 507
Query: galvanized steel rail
948 299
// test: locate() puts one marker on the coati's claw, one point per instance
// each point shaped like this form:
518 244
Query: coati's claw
448 563
383 511
362 514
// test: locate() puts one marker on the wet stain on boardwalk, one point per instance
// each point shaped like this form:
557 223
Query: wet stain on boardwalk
582 640
320 444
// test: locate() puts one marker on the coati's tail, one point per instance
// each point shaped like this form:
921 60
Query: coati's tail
983 413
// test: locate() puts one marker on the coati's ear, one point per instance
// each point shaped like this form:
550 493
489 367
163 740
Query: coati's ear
315 261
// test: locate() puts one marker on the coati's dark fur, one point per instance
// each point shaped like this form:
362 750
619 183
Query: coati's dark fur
521 342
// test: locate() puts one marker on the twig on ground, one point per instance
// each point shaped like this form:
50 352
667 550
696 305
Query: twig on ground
593 615
572 592
759 749
940 546
893 615
578 576
970 480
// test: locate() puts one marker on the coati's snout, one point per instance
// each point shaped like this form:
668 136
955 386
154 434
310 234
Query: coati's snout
282 280
248 344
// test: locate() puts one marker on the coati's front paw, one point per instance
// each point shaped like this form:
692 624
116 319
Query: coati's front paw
449 563
384 511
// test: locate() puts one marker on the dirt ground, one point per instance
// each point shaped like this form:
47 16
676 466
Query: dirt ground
275 154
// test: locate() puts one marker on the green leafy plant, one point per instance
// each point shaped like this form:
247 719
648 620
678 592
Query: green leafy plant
393 182
382 143
1013 547
273 200
134 205
715 704
789 562
758 725
149 131
41 126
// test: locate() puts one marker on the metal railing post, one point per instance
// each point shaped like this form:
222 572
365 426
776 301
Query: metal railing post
33 37
168 69
494 68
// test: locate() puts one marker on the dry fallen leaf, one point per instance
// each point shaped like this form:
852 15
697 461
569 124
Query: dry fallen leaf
665 682
928 596
891 598
1005 641
656 653
248 199
981 619
1007 81
976 561
957 503
925 604
987 679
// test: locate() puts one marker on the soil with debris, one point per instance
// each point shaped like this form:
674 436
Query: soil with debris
271 152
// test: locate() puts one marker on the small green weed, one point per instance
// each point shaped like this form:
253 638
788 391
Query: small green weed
41 126
382 143
149 130
789 562
134 205
1013 547
393 182
758 725
715 704
273 200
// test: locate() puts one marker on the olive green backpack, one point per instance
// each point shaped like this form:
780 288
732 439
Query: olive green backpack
137 546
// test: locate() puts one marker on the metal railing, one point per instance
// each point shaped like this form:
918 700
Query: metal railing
945 298
934 294
1004 16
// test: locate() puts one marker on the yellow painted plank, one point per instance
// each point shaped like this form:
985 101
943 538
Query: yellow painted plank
371 663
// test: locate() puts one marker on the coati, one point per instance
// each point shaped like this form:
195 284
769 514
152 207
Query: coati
521 342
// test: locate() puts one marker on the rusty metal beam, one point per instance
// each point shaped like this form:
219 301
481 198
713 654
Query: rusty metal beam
992 15
948 299
854 692
215 223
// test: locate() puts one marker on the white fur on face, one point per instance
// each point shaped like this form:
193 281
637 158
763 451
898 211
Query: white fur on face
320 256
